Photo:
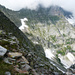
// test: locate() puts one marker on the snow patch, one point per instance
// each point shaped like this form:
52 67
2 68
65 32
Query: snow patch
72 35
67 60
49 54
71 20
71 57
23 24
35 42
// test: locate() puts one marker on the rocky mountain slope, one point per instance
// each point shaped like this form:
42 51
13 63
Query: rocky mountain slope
47 30
57 40
14 41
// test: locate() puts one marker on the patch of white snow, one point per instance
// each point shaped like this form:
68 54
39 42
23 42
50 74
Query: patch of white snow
71 57
71 20
35 42
49 54
67 60
23 24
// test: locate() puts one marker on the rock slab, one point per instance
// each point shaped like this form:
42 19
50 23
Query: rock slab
2 51
14 54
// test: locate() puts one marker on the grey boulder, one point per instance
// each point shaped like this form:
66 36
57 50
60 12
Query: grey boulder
2 51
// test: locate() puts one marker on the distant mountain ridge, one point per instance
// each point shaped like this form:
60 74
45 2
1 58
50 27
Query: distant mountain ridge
43 15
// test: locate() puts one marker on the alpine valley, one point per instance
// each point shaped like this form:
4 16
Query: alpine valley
45 37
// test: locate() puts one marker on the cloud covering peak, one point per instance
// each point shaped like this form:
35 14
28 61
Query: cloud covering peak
32 4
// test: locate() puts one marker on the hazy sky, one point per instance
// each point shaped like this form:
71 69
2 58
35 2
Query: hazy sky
32 4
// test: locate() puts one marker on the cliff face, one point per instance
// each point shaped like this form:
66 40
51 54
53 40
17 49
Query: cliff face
33 52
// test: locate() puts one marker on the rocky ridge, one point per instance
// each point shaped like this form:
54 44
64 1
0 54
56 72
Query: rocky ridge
12 55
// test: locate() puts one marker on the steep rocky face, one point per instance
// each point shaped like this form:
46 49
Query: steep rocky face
57 40
34 53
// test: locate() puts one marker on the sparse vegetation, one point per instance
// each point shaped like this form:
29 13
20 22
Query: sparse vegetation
0 32
70 41
53 38
3 42
6 67
62 52
64 35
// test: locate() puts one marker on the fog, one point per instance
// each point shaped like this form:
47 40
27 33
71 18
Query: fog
32 4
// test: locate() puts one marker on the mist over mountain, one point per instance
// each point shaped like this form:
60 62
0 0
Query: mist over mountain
33 4
41 14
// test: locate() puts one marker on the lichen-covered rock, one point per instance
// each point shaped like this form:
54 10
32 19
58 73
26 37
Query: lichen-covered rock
26 61
14 54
